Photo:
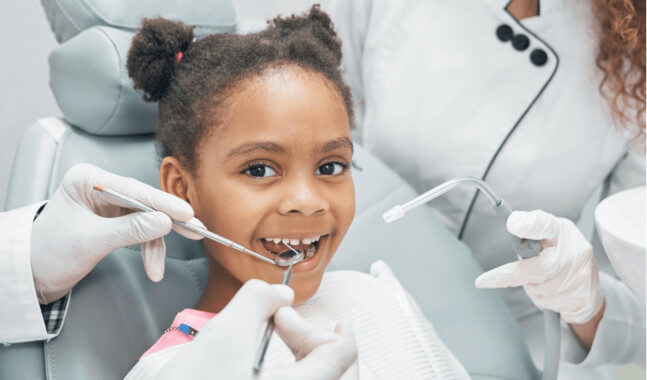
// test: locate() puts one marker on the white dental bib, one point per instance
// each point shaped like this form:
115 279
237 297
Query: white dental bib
394 339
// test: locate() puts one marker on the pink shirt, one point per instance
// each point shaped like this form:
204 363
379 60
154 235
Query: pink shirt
191 317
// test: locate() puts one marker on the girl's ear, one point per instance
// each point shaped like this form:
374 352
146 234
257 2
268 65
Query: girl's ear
174 179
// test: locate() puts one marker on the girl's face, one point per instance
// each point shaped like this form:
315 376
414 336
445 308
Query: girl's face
277 168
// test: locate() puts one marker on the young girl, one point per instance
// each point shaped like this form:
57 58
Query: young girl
254 131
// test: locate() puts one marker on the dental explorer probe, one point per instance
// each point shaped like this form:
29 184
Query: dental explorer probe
191 227
269 329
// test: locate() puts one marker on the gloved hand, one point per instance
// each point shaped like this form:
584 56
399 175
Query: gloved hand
563 277
226 346
79 226
320 354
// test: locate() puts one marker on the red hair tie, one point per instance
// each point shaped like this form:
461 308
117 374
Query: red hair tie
178 56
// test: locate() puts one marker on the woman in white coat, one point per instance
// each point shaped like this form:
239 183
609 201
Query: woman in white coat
510 91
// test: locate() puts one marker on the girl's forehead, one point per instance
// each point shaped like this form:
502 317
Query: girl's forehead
295 104
288 88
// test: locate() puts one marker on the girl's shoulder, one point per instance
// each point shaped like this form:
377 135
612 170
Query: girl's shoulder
177 333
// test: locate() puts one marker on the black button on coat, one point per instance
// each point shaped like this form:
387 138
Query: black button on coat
520 42
504 33
538 57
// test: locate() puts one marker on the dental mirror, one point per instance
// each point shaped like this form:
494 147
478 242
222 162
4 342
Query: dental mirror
289 256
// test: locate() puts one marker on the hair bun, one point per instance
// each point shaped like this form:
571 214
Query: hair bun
151 59
315 22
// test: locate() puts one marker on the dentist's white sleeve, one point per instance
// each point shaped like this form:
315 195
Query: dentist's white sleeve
21 319
620 337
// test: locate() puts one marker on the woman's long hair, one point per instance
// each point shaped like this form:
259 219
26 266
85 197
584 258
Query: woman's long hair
621 57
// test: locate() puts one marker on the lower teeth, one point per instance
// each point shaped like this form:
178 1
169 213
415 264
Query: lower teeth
311 251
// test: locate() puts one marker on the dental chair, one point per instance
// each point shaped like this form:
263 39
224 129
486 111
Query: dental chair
116 313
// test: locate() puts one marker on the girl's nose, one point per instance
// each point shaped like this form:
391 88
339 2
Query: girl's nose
303 197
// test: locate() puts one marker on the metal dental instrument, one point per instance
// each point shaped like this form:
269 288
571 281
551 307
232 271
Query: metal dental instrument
398 211
290 257
197 229
269 329
525 248
287 258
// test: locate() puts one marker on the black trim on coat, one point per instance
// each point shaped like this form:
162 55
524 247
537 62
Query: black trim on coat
516 124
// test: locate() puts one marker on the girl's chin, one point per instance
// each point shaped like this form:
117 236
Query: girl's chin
305 291
304 283
306 275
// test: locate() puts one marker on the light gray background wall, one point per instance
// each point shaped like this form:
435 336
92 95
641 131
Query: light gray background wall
24 82
24 88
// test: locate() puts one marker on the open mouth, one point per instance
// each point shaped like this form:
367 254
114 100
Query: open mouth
309 246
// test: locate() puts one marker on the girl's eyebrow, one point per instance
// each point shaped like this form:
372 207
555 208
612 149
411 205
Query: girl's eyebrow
268 146
250 147
339 143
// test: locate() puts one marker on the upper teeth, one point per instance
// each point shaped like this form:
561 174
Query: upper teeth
293 241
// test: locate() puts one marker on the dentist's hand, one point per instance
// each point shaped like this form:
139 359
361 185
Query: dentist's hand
563 277
320 354
79 226
226 346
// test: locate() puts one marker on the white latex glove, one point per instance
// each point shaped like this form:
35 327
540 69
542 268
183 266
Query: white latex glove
563 277
79 226
320 354
226 346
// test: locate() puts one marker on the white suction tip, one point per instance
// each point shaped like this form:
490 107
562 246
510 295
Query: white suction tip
393 214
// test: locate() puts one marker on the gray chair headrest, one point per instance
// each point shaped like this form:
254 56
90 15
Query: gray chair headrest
88 73
91 85
67 18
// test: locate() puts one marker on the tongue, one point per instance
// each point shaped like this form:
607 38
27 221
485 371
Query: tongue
278 248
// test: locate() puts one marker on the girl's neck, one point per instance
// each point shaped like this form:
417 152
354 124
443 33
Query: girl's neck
221 288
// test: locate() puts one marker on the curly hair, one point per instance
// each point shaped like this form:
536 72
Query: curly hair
621 57
192 86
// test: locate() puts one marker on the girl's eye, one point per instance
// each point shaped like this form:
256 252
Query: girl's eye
331 168
260 171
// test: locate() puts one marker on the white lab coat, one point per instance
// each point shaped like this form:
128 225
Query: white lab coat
439 96
21 319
